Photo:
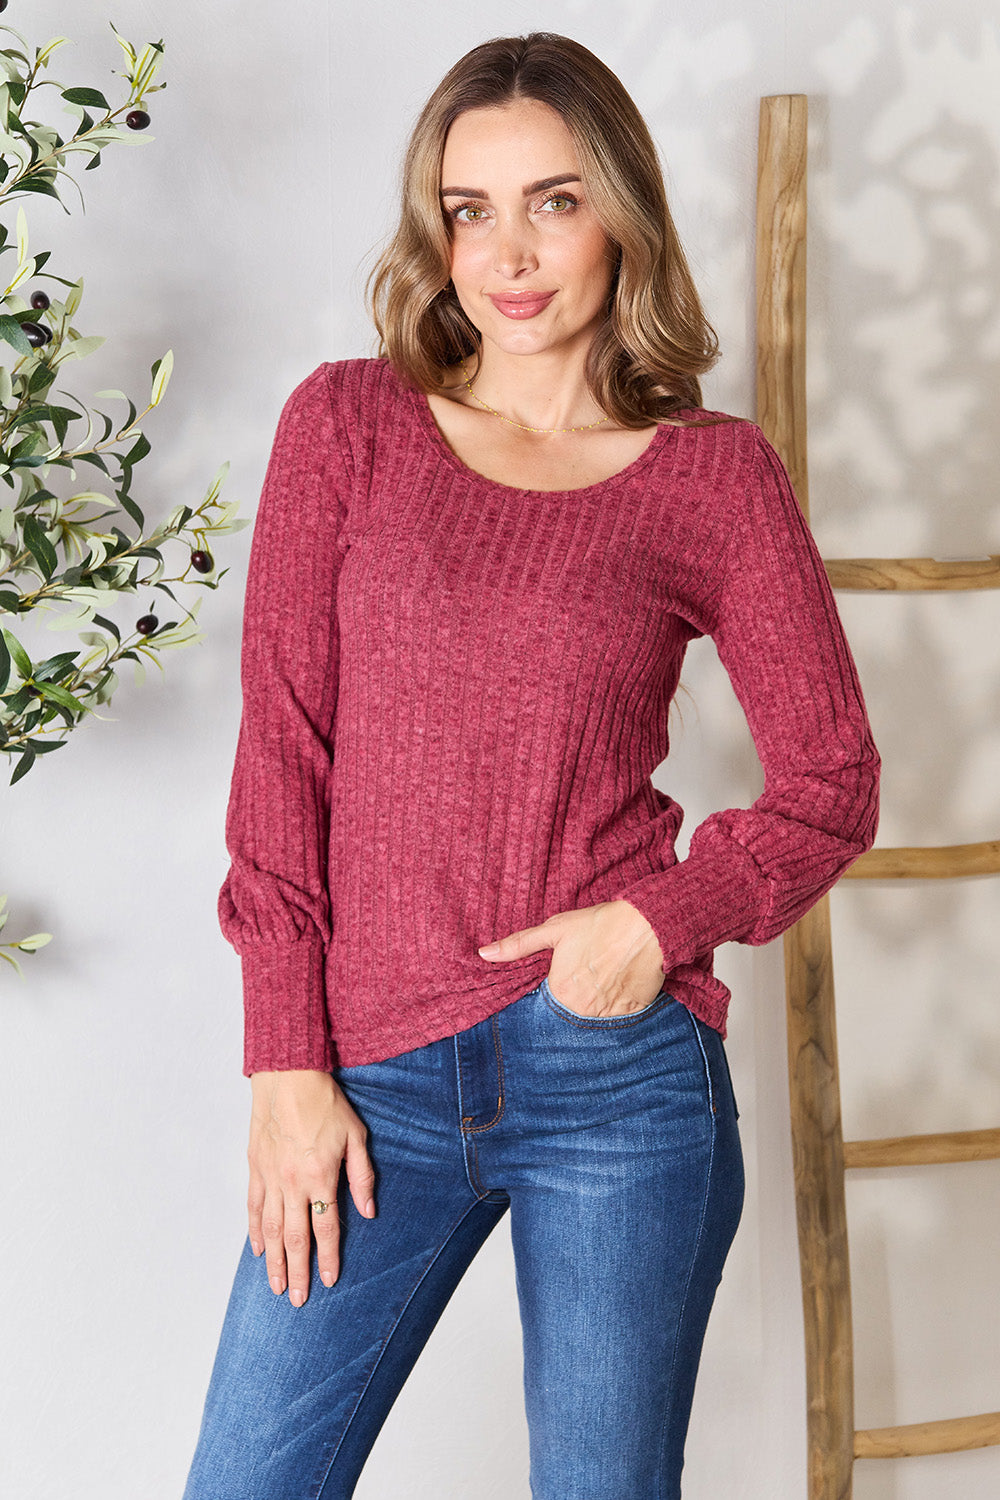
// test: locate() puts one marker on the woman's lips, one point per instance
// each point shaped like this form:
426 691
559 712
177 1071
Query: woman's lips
520 304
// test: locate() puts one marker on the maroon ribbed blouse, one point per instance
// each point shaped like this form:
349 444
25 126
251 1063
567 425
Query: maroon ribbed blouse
455 693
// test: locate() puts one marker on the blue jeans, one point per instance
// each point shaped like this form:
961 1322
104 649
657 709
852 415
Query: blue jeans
614 1144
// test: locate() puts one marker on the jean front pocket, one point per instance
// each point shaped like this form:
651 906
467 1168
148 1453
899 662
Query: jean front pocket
603 1023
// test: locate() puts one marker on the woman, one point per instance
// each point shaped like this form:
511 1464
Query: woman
475 975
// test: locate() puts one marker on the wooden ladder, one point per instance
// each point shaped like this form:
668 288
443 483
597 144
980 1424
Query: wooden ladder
820 1153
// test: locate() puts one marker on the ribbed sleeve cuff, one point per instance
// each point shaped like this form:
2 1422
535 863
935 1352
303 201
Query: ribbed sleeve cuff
284 1001
711 898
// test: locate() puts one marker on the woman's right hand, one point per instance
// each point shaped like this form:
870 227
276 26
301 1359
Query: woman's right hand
301 1128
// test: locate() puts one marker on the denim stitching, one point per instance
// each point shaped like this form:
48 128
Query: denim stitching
697 1242
469 1152
502 1098
471 1166
602 1023
704 1058
461 1079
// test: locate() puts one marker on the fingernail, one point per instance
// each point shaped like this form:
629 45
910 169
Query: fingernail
296 1297
256 1247
277 1285
327 1278
370 1208
489 949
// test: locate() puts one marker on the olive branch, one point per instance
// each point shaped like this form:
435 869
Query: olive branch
73 557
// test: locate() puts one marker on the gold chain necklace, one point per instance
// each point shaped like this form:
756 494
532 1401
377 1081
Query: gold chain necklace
522 425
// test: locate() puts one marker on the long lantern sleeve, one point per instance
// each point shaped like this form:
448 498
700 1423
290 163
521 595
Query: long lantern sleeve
274 905
751 872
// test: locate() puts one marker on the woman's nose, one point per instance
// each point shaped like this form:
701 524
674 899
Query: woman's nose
513 251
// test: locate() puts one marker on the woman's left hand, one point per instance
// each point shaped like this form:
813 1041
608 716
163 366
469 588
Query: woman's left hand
606 960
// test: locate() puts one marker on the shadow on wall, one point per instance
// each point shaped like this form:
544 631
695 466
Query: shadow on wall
904 287
903 386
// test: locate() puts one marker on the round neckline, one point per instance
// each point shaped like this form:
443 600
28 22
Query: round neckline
439 441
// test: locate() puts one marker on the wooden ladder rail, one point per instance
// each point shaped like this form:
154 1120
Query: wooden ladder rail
820 1153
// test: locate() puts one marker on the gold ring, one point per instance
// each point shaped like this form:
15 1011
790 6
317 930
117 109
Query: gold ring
319 1207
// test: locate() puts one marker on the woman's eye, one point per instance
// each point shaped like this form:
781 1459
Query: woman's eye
560 203
472 210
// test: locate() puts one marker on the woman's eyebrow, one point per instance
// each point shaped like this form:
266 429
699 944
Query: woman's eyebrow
532 187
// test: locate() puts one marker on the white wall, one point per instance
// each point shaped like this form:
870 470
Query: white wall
237 238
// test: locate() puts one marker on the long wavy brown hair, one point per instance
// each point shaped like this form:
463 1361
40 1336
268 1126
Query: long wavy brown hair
647 358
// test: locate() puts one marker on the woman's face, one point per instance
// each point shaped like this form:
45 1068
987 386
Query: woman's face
530 264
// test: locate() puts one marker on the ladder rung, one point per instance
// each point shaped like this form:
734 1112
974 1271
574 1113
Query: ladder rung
913 573
953 1435
923 1150
942 863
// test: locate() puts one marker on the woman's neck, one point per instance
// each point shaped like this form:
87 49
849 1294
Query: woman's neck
541 391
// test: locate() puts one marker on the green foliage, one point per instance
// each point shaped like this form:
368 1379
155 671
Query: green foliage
26 945
72 556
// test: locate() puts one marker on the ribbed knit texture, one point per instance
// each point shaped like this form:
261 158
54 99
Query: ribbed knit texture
455 693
